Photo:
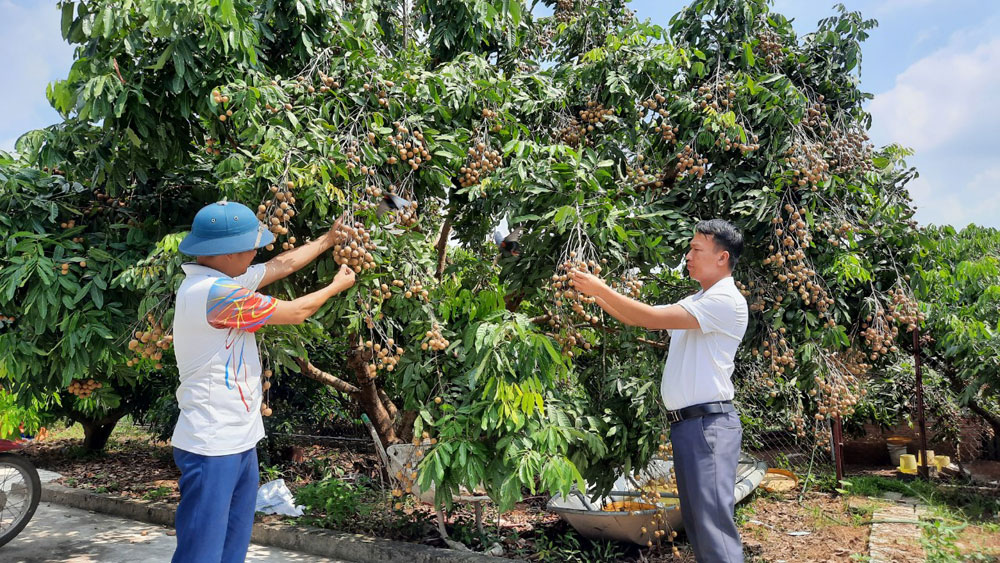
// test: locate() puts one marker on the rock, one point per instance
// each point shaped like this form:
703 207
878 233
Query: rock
496 550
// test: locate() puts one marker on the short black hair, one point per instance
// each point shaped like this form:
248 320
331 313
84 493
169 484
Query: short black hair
725 236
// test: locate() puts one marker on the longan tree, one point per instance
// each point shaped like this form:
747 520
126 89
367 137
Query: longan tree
598 139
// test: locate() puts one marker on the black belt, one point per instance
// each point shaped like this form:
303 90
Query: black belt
695 411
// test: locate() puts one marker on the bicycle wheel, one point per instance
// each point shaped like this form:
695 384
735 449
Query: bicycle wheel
20 491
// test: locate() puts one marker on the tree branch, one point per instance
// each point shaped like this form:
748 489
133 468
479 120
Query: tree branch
316 374
543 319
390 407
442 245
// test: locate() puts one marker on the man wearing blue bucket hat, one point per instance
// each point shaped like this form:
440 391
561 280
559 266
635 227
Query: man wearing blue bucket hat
218 310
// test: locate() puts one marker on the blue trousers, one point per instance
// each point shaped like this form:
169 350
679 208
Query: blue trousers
706 453
215 516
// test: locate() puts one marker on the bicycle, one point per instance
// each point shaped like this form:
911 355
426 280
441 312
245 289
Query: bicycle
20 491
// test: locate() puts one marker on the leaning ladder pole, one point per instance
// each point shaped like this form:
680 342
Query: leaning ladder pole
924 469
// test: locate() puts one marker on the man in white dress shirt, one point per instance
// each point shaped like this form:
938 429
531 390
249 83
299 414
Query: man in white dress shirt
705 330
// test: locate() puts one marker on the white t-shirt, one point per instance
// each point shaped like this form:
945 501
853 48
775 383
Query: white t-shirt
699 364
220 389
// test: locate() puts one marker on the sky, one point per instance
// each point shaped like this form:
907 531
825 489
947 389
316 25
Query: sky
933 66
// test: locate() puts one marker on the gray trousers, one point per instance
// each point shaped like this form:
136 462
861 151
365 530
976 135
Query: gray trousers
706 452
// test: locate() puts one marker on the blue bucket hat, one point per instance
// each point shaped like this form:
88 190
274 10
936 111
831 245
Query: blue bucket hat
225 227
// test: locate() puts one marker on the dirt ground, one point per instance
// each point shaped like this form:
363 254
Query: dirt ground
821 529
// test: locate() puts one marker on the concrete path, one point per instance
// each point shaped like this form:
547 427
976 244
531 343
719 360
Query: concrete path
896 532
70 535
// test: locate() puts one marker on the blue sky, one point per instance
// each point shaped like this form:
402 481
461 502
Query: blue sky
933 65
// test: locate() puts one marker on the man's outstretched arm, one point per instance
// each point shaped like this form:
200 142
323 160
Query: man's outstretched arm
291 261
632 312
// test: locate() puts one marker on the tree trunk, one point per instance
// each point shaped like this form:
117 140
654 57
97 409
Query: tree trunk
989 417
368 396
442 246
958 386
404 428
373 401
96 433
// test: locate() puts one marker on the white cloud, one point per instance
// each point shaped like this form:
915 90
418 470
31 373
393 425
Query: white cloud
944 107
940 98
33 54
945 197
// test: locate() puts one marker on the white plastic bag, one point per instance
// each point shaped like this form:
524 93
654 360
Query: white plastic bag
275 498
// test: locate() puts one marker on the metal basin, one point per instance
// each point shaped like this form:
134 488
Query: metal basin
592 521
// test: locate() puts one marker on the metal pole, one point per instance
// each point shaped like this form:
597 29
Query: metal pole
838 447
924 469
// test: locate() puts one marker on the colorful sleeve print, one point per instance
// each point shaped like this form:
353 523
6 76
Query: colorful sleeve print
231 305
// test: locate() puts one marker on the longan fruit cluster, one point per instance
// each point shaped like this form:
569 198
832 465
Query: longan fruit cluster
564 11
210 147
64 267
407 217
851 150
572 133
383 357
106 203
756 304
150 344
6 321
690 163
487 113
842 231
353 246
653 104
434 341
278 211
595 115
769 45
275 109
788 259
717 99
661 124
879 334
778 355
808 166
481 161
417 291
353 156
905 310
83 388
68 224
384 291
815 117
732 144
717 96
629 285
265 410
410 148
221 100
649 493
642 179
561 287
383 96
836 395
667 131
329 83
374 192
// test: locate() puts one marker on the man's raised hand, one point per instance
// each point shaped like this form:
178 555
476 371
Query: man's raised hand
587 284
345 277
